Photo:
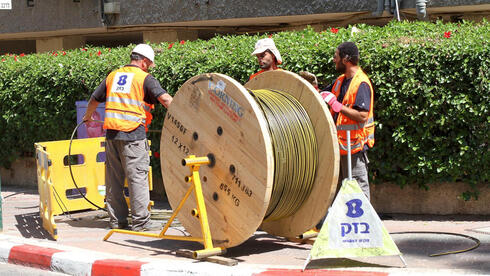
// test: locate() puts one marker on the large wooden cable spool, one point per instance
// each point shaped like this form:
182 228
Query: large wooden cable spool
213 115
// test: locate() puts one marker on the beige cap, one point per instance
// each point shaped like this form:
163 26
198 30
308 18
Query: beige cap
267 44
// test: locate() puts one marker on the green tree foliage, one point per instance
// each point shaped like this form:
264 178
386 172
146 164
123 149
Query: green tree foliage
432 83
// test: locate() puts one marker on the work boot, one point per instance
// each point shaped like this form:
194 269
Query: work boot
118 225
149 226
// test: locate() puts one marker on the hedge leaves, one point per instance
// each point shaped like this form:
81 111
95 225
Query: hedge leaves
432 84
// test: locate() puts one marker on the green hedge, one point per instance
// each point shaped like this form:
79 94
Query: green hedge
431 90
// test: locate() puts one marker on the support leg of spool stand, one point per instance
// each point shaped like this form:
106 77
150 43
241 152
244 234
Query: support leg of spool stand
212 259
309 234
305 237
209 250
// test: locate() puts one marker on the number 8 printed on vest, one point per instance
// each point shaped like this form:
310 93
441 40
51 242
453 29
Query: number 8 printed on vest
122 82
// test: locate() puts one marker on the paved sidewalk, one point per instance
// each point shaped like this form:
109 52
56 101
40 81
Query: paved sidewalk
81 251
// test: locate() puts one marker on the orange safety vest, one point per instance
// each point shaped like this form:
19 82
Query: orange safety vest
125 108
148 108
260 72
360 133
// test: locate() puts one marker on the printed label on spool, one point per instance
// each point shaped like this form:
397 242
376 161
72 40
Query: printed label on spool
226 189
181 147
244 188
176 123
226 103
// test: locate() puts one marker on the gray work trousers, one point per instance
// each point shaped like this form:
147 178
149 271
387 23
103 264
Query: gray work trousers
130 160
359 163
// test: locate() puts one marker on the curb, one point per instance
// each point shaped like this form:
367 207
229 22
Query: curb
74 261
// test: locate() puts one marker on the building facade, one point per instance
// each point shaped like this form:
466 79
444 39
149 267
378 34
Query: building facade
29 26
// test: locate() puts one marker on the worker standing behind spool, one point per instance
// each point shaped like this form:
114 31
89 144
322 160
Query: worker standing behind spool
351 102
267 55
311 78
129 93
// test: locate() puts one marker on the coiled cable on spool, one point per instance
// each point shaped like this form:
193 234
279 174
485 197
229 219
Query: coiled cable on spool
295 151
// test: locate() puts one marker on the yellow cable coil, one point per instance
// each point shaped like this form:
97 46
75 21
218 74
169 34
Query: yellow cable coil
295 152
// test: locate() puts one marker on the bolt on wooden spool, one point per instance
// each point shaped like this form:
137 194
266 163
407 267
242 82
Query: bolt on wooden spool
213 115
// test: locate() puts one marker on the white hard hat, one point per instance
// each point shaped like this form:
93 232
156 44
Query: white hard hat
145 50
267 44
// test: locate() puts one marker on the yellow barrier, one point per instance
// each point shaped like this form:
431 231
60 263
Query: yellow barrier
57 193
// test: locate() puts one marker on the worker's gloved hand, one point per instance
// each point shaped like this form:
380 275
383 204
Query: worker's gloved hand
331 100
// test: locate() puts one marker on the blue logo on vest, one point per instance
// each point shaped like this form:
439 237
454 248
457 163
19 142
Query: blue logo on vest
122 80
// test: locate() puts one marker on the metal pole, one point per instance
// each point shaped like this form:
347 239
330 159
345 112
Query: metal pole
397 10
349 165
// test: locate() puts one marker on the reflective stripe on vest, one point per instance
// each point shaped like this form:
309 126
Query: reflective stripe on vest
356 145
356 126
125 101
125 117
352 147
337 85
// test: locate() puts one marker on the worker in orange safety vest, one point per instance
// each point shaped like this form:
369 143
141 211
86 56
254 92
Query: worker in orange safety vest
350 98
129 93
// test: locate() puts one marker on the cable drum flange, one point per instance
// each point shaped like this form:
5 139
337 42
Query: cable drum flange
237 202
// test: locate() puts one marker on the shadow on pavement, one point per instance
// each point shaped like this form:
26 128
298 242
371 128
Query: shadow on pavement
87 223
30 226
260 243
340 263
257 244
158 246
